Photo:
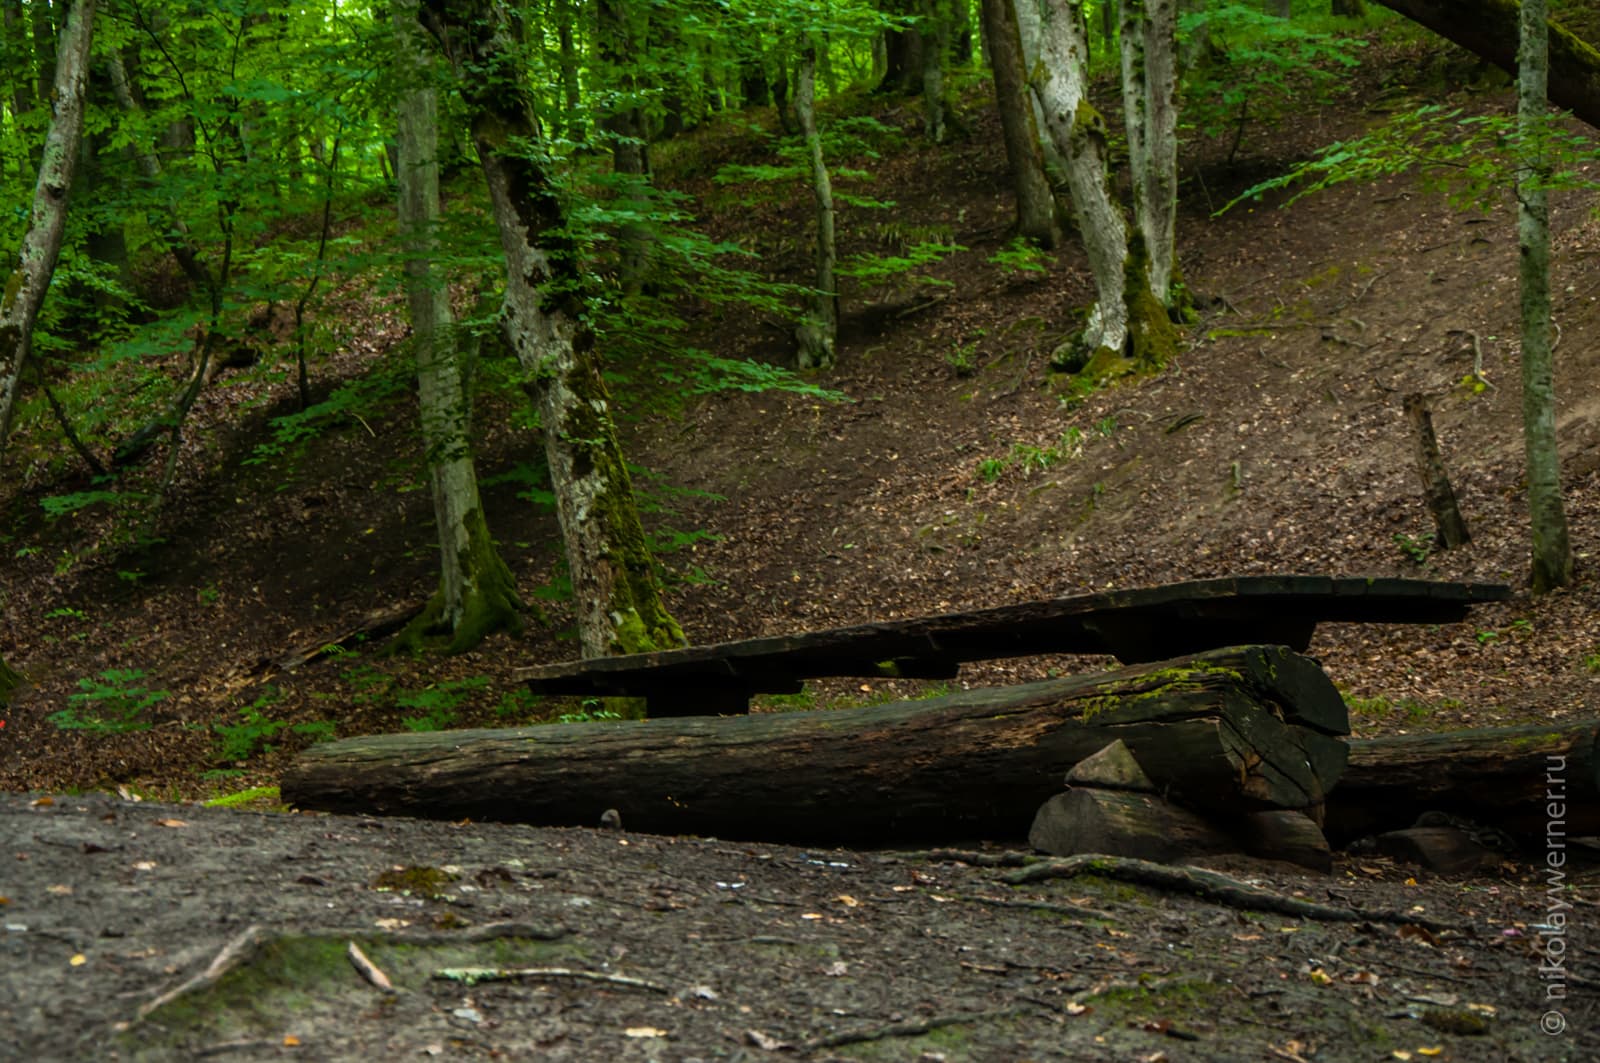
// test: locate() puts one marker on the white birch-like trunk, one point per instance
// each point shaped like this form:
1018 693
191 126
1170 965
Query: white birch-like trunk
439 392
1061 84
29 280
1030 27
818 334
1150 110
1552 549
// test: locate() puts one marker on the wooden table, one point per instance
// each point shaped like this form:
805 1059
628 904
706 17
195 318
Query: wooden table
1146 624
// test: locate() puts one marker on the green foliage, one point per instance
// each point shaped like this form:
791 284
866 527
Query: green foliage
592 710
351 403
1253 66
438 703
252 734
1472 158
111 703
1030 458
1417 548
871 268
1020 257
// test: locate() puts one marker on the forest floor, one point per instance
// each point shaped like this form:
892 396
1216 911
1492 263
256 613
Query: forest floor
950 475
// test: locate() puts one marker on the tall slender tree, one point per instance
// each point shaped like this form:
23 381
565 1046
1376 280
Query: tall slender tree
1036 204
29 280
619 602
1552 548
817 334
477 594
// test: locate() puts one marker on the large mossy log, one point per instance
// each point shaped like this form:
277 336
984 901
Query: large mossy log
1505 777
975 763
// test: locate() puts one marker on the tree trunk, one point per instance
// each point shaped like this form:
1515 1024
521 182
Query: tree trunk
1348 8
29 281
935 32
1450 528
1079 132
1150 111
818 333
621 43
619 604
1128 328
18 67
572 126
477 594
979 762
902 53
1552 550
1036 204
1030 28
1489 28
1506 777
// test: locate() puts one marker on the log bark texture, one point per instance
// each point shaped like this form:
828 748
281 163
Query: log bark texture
978 762
1505 777
1489 28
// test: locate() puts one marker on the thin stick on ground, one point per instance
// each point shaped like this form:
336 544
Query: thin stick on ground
908 1029
236 951
473 975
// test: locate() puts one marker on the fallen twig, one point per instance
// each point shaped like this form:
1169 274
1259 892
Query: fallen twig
1208 885
908 1029
976 859
473 975
233 953
369 970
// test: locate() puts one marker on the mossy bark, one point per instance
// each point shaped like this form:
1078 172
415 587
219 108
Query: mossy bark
1552 547
619 603
818 333
477 595
1037 218
27 284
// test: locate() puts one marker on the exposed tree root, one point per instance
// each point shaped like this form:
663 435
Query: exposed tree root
1208 885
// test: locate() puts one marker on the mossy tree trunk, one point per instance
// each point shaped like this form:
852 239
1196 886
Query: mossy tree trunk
618 600
1552 549
1128 328
1150 111
1030 29
477 595
818 333
1037 221
29 279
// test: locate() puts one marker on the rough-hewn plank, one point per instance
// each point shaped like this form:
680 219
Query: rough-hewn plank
1133 625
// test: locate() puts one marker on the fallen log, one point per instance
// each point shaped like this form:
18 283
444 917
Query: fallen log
977 763
1516 779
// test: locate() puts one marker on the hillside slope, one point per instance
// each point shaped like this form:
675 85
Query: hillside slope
952 474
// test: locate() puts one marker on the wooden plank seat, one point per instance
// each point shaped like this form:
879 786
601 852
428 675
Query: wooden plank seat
1145 624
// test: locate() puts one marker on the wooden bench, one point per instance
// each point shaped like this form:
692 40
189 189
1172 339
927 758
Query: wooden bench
1146 624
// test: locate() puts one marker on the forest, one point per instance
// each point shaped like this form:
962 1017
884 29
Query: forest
356 358
250 234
